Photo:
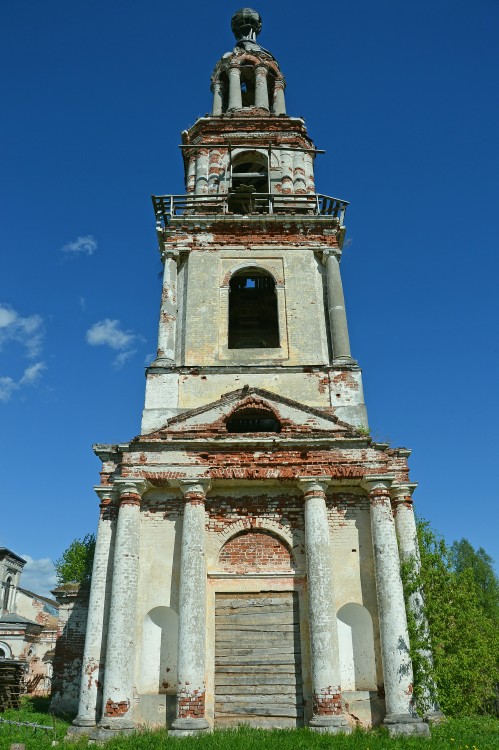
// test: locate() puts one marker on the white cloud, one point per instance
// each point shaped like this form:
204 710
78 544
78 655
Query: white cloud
109 333
86 245
27 331
8 386
33 373
83 303
38 575
122 358
148 359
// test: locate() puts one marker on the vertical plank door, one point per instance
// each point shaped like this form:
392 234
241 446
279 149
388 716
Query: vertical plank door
258 676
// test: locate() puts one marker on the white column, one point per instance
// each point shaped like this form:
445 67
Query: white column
191 172
279 102
340 341
286 160
326 688
235 97
407 536
309 172
202 160
216 88
261 87
118 676
299 181
98 606
168 313
397 666
191 665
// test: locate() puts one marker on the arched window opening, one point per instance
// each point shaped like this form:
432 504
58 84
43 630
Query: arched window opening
253 320
6 593
271 88
248 86
251 169
2 653
356 642
253 420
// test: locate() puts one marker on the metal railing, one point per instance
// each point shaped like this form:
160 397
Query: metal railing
246 203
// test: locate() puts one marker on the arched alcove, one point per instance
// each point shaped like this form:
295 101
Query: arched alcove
5 651
253 315
356 645
158 666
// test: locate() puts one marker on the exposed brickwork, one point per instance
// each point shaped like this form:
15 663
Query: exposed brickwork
255 550
116 709
68 657
327 703
190 703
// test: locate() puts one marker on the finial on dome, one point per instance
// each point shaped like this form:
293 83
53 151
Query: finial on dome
246 24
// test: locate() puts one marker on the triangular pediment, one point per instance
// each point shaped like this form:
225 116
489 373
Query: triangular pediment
215 418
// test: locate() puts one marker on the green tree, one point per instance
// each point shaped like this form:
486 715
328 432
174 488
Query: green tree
465 557
75 563
464 638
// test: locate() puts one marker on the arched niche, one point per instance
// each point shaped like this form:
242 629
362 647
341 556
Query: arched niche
158 666
356 645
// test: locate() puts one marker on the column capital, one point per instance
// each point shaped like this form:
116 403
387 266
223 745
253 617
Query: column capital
378 483
402 493
194 488
106 495
234 65
130 491
280 83
313 485
262 66
329 252
169 253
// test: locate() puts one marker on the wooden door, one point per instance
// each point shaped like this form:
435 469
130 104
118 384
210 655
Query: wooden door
258 676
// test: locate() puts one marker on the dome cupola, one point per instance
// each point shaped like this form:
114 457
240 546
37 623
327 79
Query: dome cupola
248 78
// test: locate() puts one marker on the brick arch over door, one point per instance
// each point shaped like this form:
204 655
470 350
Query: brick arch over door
255 550
290 538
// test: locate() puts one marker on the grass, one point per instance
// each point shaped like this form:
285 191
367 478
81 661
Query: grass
477 733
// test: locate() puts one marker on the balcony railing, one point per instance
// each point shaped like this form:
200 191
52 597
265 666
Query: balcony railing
238 203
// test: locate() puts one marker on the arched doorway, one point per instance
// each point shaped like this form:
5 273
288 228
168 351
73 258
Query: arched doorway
356 645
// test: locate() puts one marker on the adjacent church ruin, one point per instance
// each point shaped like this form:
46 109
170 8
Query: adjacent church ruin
247 566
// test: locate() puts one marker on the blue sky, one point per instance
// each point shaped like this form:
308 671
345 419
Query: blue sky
403 97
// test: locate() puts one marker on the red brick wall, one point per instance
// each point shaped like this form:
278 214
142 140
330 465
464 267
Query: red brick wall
254 549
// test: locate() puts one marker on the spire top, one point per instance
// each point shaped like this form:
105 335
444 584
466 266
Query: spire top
246 24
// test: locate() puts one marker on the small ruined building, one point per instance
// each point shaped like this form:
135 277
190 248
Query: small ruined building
28 626
247 562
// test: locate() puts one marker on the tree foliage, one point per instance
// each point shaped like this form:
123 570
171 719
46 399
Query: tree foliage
463 629
481 565
75 563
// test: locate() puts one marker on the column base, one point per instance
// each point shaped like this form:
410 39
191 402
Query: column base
330 725
188 727
163 362
345 360
398 724
80 727
110 727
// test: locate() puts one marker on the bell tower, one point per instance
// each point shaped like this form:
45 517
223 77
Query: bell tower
252 291
247 561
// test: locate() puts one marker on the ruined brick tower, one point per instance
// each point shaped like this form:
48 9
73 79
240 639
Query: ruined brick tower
247 565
